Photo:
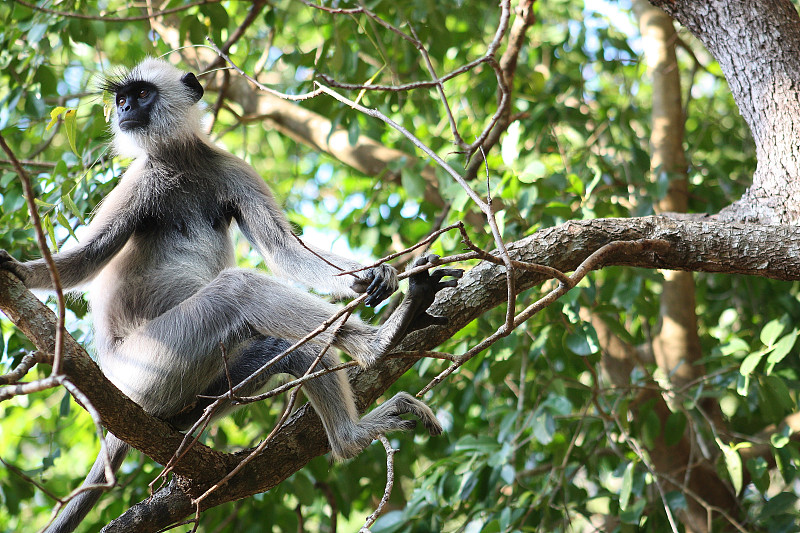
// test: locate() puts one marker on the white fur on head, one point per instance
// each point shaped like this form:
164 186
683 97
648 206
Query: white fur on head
175 116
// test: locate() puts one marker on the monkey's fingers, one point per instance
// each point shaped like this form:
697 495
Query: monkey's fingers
7 262
439 273
426 259
378 296
433 426
425 319
446 284
384 283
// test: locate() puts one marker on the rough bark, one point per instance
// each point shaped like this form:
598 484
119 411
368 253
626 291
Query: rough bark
756 46
704 245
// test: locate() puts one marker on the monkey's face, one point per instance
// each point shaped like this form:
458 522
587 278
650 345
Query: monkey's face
156 106
134 103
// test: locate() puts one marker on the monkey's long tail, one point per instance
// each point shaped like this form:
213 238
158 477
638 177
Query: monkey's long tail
79 506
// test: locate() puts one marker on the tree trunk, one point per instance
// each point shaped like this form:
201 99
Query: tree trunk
756 45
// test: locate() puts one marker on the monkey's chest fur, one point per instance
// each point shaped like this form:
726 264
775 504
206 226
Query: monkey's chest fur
180 242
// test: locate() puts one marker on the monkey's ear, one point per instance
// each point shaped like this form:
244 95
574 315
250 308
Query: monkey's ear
193 85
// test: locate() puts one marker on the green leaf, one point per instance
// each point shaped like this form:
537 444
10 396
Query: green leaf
390 522
627 486
651 428
47 225
580 343
66 199
733 462
771 331
71 127
779 441
750 363
54 114
534 171
781 350
544 427
759 473
64 222
64 408
42 203
414 184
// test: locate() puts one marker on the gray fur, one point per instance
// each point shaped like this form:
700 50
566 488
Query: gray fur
166 293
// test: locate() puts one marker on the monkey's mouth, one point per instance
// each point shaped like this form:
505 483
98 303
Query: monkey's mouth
131 124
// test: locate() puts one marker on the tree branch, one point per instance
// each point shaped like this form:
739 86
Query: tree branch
706 245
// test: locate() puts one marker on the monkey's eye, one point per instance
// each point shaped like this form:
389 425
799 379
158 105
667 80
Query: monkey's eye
121 100
143 93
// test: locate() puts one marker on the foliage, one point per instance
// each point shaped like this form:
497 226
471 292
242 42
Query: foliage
535 440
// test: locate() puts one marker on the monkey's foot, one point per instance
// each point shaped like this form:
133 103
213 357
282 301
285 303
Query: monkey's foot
422 291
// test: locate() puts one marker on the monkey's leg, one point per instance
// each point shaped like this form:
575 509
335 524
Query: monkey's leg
163 364
79 506
331 396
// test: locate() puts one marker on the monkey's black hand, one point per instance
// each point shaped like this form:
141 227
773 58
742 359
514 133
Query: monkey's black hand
422 289
12 265
379 282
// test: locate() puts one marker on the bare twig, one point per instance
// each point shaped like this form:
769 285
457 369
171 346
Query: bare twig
387 492
594 261
292 97
30 387
23 367
48 258
106 18
424 242
27 163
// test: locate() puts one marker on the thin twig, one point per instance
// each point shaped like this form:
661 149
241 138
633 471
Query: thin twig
423 242
594 261
23 367
28 479
30 387
27 163
106 18
387 492
457 140
284 96
27 188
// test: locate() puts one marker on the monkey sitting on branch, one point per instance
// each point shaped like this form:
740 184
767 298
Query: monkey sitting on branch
167 299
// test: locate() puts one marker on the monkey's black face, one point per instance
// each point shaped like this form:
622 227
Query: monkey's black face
134 104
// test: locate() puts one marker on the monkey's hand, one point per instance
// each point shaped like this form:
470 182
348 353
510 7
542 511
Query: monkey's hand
12 265
379 282
412 313
422 289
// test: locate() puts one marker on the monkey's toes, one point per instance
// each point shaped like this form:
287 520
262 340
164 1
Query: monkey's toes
433 426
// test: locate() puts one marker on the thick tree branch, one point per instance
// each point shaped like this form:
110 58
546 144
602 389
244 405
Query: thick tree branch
705 245
126 419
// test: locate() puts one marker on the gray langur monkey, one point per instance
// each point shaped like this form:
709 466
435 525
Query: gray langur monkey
167 298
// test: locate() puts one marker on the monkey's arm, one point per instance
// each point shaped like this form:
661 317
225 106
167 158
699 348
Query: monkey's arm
265 226
107 234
